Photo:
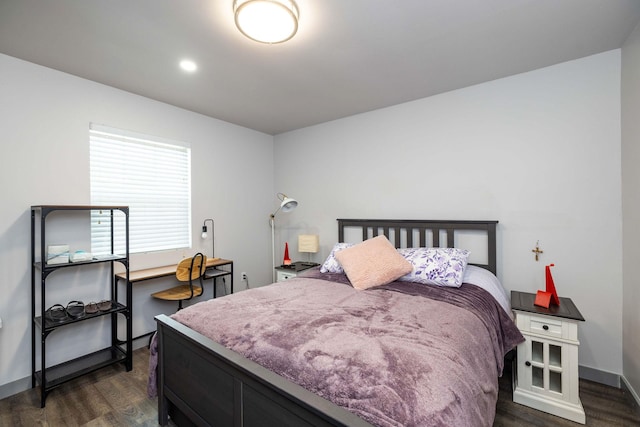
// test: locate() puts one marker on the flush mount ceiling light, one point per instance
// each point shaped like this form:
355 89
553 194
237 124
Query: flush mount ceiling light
266 21
188 65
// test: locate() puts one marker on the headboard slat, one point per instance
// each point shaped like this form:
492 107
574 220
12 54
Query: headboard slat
450 236
436 238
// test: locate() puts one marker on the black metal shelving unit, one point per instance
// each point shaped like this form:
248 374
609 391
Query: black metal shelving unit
120 351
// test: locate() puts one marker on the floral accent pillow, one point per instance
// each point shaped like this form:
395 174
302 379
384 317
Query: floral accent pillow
436 266
331 264
373 262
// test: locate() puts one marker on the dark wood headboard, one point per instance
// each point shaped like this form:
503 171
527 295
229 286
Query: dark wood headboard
407 228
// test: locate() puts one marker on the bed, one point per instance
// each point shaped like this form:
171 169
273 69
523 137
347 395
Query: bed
315 351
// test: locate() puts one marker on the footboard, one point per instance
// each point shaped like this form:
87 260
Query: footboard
201 382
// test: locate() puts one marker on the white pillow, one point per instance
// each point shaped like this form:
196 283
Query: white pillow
486 280
331 264
436 266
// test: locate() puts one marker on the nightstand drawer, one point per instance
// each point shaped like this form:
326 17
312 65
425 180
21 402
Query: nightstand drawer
545 326
284 275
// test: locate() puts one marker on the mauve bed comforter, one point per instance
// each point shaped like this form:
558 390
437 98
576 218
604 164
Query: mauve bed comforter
399 355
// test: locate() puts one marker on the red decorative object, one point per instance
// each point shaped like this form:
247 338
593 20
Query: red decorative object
286 260
549 296
542 299
551 287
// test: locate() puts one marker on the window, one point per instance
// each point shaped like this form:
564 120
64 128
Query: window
150 175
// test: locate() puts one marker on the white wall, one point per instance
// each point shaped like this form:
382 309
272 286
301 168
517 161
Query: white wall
631 208
44 117
540 152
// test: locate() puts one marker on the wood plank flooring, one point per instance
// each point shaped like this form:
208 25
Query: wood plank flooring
114 397
108 397
604 407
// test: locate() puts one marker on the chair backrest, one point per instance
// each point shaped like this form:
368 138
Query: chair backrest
193 268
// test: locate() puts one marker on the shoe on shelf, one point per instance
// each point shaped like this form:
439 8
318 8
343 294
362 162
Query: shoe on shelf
56 314
75 309
91 308
104 305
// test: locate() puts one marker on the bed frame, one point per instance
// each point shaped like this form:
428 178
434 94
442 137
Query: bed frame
202 383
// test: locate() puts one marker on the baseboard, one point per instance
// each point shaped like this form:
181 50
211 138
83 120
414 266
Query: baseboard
610 379
598 376
627 387
15 387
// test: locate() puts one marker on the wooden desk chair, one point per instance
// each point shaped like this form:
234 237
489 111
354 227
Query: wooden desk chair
189 270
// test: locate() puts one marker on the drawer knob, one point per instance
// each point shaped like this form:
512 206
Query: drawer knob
545 327
527 363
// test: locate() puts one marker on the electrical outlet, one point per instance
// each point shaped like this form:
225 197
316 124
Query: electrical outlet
243 275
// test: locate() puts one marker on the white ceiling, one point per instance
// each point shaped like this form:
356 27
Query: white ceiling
349 56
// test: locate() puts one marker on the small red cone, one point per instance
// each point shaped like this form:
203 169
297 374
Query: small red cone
287 260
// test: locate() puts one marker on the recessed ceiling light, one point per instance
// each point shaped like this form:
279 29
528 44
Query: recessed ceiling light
188 65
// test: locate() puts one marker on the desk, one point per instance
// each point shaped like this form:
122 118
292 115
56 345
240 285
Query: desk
213 272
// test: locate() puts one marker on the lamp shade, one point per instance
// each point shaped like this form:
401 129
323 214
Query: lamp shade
266 21
288 204
308 243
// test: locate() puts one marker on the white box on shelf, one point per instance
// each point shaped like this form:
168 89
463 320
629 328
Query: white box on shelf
57 254
81 256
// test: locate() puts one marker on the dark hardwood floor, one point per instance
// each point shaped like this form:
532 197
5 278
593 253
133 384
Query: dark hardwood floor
113 397
108 397
603 406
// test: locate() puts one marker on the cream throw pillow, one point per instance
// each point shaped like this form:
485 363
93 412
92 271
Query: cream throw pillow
373 262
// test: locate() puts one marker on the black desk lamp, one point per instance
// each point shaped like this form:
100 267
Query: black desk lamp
204 235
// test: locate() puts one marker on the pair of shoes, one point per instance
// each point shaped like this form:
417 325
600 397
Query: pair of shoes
56 314
94 307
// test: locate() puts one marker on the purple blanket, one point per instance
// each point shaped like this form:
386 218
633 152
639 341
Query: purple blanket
399 355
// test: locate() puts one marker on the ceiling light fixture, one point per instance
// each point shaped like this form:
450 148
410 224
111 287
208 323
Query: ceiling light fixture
266 21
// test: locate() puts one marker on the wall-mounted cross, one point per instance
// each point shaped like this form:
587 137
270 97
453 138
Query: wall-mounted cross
537 250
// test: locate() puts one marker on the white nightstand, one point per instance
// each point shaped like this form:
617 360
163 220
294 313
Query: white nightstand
286 272
546 374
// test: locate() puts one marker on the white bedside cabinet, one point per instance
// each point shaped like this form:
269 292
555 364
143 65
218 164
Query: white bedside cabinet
546 372
282 275
286 272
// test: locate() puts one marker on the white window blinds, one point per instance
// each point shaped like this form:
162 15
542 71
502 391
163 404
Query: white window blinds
150 175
